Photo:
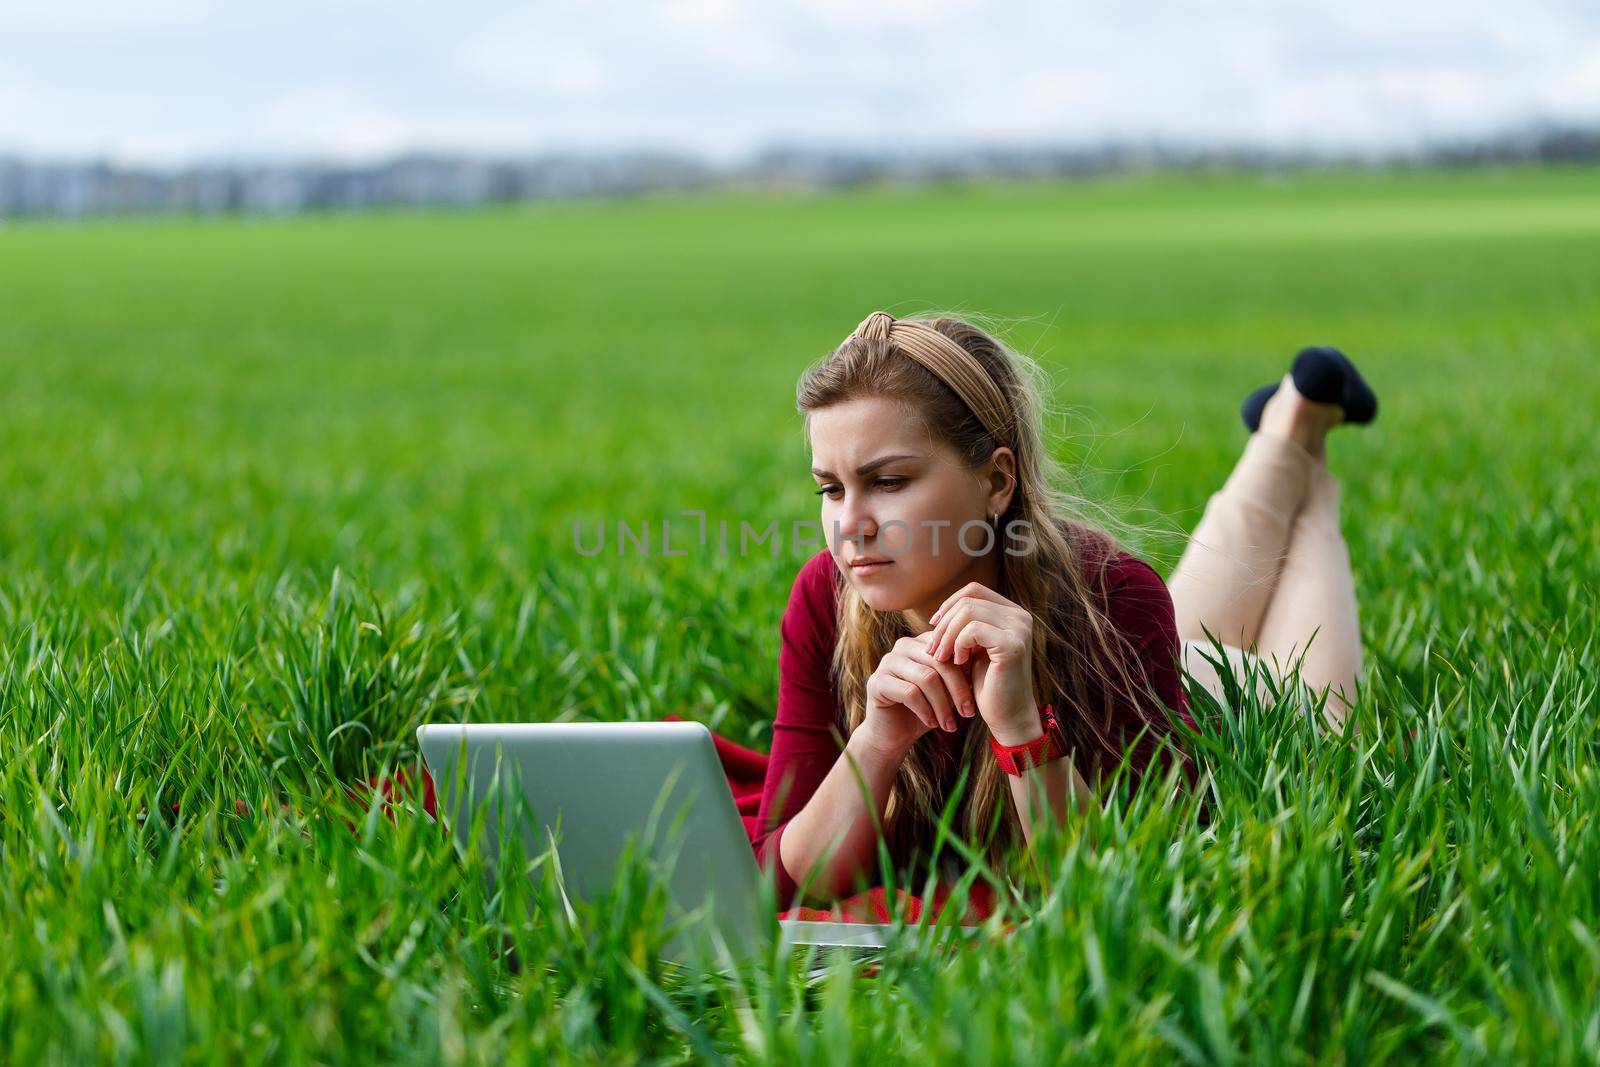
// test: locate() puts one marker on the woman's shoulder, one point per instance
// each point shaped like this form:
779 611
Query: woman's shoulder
817 580
819 570
1139 608
1131 585
1124 569
813 596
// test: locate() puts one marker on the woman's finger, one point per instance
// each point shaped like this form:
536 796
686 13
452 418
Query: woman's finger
951 622
957 682
937 637
980 633
930 640
910 695
962 614
930 681
976 590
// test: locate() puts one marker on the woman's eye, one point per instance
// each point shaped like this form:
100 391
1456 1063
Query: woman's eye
886 483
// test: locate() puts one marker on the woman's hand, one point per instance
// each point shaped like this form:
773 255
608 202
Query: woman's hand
911 693
977 626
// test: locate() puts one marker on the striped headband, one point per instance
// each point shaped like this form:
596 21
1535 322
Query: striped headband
948 362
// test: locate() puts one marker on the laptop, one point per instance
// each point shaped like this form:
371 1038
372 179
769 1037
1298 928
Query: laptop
590 788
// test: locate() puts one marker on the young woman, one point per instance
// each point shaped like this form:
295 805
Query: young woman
967 616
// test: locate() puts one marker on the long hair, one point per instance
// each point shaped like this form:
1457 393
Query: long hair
1080 662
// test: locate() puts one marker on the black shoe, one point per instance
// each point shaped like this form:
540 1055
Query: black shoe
1325 375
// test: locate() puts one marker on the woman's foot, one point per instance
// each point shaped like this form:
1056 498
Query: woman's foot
1323 375
1289 413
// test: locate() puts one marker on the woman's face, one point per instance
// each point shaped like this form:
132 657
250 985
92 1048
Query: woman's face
889 493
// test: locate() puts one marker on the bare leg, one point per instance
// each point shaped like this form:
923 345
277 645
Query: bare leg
1313 611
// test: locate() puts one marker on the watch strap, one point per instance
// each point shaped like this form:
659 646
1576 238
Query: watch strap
1018 759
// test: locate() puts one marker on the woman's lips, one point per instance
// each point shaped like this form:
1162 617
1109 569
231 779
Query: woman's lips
870 568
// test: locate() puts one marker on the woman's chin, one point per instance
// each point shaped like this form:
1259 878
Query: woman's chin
880 599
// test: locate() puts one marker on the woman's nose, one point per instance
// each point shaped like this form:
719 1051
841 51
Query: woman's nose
856 523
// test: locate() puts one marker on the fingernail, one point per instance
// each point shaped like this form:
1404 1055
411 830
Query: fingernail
966 708
949 727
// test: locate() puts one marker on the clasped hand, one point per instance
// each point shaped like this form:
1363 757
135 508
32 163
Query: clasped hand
977 660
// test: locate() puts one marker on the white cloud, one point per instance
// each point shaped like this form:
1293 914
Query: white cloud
179 78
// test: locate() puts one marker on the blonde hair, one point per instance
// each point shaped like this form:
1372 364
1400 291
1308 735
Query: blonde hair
975 394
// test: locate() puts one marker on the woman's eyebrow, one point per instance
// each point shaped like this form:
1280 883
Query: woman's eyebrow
871 465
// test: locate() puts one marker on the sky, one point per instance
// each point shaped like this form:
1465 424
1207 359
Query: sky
170 81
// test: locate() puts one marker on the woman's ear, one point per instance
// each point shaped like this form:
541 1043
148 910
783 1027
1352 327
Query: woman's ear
1001 473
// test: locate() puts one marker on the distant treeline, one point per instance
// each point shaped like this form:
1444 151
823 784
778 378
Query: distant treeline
30 188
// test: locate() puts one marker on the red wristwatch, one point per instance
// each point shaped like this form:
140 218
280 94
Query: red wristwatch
1017 759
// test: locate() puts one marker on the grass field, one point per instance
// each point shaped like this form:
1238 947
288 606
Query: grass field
274 492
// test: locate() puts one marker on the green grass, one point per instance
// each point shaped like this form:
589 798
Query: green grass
274 492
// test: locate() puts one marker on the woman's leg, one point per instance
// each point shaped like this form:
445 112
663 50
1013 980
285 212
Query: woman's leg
1229 570
1313 609
1200 660
1230 576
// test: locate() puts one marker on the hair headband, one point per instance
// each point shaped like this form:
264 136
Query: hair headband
948 362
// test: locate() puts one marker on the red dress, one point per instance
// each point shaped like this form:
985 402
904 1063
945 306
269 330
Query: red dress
803 747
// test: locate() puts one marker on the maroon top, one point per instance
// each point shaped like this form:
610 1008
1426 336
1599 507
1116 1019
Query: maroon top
1138 605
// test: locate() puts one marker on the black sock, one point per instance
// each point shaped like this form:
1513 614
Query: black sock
1325 375
1360 402
1250 410
1319 374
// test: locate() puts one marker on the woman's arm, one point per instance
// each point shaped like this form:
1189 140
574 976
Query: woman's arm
992 636
834 837
1043 788
1139 609
807 738
836 789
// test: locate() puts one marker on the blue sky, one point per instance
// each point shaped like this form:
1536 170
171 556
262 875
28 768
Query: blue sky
163 81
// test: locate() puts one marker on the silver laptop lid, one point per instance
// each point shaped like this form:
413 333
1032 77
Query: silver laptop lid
602 784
